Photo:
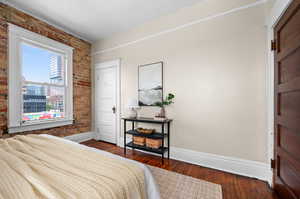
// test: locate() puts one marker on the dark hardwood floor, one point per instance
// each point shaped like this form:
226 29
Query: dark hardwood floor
233 186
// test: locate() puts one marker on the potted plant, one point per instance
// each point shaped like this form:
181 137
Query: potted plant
167 101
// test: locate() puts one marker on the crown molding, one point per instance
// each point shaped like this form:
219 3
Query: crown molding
259 2
45 20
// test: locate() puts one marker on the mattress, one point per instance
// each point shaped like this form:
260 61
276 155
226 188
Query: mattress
150 184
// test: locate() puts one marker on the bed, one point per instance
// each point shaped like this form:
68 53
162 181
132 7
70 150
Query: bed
45 166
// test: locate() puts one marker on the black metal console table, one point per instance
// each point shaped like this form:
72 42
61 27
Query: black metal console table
158 135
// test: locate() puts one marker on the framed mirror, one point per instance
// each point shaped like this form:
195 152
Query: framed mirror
150 88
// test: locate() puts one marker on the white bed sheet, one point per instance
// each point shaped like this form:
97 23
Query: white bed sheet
150 184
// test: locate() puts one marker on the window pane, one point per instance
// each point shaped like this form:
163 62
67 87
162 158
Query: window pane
42 102
40 65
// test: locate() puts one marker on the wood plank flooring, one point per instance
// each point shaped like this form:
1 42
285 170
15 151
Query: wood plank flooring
233 186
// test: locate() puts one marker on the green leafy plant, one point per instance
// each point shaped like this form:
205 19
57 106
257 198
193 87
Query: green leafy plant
168 100
48 107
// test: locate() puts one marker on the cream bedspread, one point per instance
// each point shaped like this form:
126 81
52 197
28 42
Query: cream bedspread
34 166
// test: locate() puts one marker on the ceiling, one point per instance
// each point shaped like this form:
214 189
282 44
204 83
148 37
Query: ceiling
97 19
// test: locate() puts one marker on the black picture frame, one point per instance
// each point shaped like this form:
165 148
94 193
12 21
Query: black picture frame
162 82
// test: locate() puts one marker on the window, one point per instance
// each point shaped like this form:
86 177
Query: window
40 81
43 86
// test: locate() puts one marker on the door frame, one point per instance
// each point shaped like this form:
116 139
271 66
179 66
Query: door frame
108 64
279 8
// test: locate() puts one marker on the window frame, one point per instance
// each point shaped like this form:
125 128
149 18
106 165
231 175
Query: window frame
17 36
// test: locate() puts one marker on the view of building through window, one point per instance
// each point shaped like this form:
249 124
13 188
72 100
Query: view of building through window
43 84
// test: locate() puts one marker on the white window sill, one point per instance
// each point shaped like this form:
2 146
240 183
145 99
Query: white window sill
39 126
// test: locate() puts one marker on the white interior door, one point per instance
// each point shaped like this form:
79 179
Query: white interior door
105 104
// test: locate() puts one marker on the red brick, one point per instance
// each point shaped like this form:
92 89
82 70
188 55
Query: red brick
81 70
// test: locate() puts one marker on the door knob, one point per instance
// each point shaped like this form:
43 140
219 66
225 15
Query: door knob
114 109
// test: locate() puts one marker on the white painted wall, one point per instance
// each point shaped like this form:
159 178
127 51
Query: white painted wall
216 66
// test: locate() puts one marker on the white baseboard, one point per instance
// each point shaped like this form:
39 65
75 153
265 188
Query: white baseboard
237 166
81 137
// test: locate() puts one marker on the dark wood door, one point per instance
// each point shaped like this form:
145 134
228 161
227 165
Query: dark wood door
287 104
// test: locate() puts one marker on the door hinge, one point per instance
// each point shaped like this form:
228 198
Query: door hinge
273 45
272 163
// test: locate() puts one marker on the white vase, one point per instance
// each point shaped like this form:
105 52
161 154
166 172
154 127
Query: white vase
162 113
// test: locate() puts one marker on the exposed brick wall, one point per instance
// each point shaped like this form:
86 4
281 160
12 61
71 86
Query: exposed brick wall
81 70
